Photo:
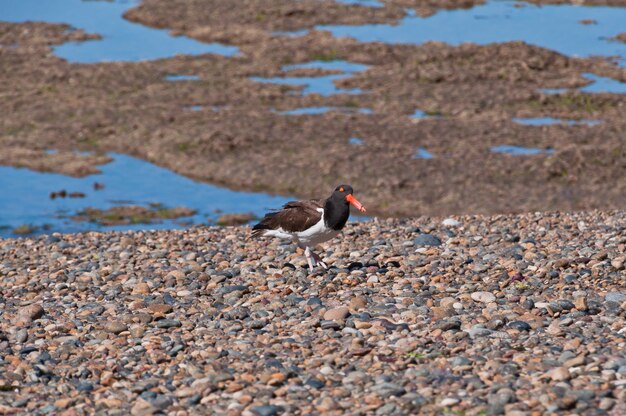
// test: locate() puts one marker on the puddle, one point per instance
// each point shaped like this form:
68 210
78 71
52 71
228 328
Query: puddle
553 90
418 114
322 85
365 3
176 77
25 197
322 110
554 27
422 153
603 84
544 121
121 39
520 151
338 65
292 34
194 108
355 141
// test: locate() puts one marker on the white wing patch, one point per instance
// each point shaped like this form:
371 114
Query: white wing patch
279 232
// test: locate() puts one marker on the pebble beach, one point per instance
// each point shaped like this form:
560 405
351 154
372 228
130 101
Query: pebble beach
471 315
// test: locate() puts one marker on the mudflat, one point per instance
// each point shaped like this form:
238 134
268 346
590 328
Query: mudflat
226 128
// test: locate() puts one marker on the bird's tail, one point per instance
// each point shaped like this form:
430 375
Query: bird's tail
259 229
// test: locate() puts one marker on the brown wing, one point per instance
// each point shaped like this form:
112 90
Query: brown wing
294 217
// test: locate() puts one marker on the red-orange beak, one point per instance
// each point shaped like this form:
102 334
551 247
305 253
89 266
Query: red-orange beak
351 199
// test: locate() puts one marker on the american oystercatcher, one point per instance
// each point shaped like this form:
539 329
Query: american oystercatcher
309 223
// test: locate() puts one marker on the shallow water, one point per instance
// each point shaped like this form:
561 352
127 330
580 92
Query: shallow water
422 153
543 121
121 40
324 109
604 84
25 196
293 33
177 77
322 85
554 27
365 3
355 141
520 151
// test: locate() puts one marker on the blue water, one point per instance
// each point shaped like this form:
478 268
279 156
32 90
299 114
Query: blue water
25 196
322 110
553 90
603 84
543 121
520 151
366 3
322 85
422 153
176 77
293 33
553 27
337 65
121 39
418 114
355 141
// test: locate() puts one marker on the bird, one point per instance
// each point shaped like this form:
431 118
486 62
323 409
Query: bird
310 222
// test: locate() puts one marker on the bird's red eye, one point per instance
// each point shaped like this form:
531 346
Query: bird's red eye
341 189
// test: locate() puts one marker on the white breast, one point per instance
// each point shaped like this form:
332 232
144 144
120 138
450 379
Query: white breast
317 234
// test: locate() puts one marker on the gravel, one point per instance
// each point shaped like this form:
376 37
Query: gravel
206 320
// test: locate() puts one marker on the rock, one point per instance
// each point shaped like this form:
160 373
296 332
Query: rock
559 374
21 336
141 288
519 325
386 390
31 312
160 308
448 401
168 323
142 408
449 324
575 362
115 327
450 222
423 240
327 324
561 263
617 264
618 297
483 297
580 303
357 303
315 383
337 314
267 410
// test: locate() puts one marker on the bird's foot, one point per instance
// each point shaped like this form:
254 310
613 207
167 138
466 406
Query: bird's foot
318 261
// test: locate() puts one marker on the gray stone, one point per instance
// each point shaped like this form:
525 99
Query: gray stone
386 390
168 323
520 325
615 297
267 410
483 297
426 240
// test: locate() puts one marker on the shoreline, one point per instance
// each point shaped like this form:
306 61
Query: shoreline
509 313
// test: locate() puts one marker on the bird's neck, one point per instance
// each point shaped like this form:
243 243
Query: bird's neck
336 214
